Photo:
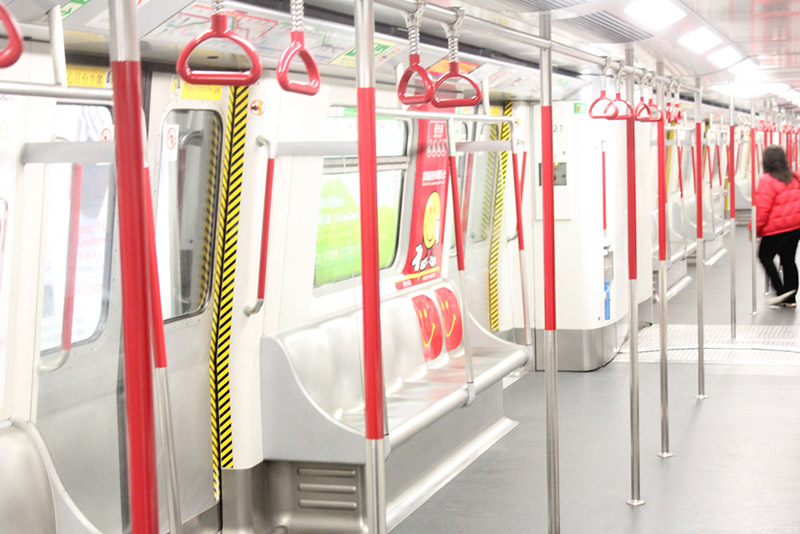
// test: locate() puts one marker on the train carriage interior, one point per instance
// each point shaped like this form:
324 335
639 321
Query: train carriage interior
419 266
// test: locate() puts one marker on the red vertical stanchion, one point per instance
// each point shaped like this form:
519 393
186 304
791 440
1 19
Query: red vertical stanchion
605 212
732 175
132 196
72 256
370 272
698 182
265 218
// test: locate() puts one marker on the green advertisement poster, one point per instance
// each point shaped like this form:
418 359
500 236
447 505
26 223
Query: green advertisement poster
338 255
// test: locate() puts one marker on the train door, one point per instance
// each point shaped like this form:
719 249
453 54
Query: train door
185 151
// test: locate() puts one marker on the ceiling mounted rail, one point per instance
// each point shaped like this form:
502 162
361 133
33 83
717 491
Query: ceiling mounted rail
448 16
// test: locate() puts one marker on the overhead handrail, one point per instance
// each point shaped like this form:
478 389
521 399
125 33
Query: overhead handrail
623 109
413 21
219 30
12 52
262 263
603 100
297 47
454 73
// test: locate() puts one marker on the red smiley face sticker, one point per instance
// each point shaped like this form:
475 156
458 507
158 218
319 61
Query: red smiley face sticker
451 315
430 325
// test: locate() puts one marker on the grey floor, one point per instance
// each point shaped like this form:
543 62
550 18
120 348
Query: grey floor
736 467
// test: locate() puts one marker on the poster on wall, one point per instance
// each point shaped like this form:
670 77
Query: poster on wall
428 214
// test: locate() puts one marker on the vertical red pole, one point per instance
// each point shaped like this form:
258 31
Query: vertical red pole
548 219
72 256
605 213
698 182
753 169
680 169
631 154
262 262
370 271
732 174
453 178
518 199
132 194
662 191
719 164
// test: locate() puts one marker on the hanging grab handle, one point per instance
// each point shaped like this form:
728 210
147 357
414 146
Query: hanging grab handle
412 22
219 30
603 101
13 51
455 72
623 109
298 48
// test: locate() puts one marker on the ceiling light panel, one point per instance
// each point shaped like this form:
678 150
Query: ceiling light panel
655 14
725 57
700 40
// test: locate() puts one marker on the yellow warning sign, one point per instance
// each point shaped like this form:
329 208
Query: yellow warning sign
82 76
190 91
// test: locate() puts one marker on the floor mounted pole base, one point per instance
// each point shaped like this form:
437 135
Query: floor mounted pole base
636 502
701 397
665 455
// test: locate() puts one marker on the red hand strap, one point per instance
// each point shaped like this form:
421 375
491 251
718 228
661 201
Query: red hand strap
604 114
455 74
219 30
615 104
13 51
298 48
402 88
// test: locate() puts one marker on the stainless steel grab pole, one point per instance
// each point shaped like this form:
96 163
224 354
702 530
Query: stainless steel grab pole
548 224
663 254
374 394
633 301
732 212
753 245
700 263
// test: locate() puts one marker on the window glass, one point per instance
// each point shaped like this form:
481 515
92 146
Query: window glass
185 209
391 134
338 254
79 208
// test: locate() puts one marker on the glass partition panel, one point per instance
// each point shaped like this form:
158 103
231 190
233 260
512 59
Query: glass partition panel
80 403
185 209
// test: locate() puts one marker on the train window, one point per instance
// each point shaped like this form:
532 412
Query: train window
338 254
185 210
391 134
80 205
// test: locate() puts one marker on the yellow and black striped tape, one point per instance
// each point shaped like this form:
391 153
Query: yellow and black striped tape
497 224
224 271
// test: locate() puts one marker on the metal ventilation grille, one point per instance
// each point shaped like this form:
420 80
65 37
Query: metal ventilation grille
611 28
541 5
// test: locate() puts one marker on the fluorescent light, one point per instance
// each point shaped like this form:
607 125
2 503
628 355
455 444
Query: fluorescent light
745 67
700 40
655 14
725 57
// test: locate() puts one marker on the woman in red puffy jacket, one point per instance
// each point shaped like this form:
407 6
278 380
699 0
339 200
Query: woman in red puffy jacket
778 223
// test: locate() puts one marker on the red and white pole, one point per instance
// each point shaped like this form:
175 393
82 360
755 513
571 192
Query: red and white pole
698 182
132 195
370 278
548 220
662 268
753 170
633 301
732 211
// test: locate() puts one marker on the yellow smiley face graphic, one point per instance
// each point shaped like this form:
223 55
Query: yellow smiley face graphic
431 220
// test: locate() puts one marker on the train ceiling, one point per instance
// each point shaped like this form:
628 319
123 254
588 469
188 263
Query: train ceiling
765 31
